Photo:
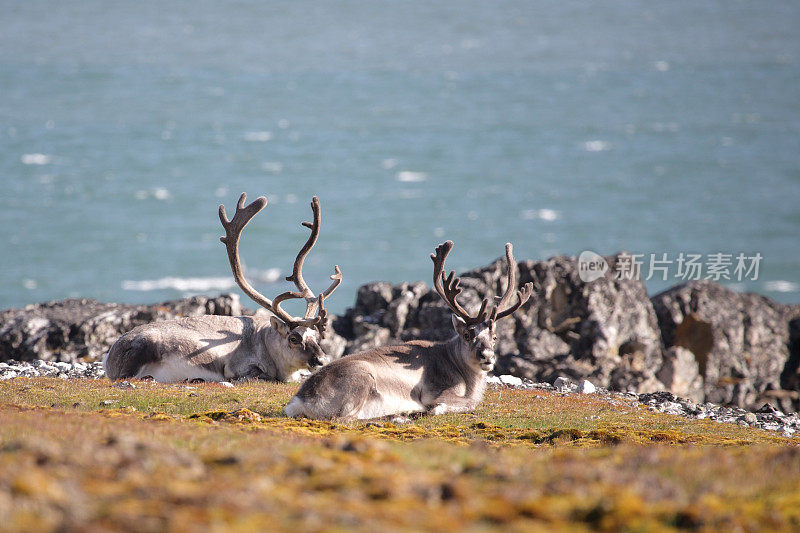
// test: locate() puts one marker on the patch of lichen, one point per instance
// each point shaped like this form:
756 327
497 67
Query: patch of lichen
158 458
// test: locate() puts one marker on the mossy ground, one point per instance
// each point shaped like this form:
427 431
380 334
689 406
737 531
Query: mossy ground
85 456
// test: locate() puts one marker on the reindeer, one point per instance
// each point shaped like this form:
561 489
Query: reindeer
417 376
217 348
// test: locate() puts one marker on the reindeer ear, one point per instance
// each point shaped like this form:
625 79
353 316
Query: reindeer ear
279 326
458 324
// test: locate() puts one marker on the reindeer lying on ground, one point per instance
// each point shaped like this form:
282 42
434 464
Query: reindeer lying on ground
416 376
217 348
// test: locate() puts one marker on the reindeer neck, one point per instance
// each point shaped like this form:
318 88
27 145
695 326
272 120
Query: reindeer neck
474 378
276 348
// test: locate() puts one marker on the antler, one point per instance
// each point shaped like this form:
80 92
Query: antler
451 290
448 288
522 295
233 230
314 304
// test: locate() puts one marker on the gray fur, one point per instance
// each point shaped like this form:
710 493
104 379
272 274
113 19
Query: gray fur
214 348
217 348
417 376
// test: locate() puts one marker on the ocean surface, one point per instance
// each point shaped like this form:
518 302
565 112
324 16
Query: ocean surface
651 127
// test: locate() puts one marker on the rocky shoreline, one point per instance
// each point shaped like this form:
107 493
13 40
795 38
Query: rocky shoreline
766 417
697 340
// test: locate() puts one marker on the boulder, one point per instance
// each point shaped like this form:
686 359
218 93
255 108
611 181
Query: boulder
604 330
744 347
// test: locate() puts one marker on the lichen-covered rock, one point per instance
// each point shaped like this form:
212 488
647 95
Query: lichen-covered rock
74 329
604 330
680 375
742 344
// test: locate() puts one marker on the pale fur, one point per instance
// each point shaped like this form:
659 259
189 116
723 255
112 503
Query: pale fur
213 348
417 376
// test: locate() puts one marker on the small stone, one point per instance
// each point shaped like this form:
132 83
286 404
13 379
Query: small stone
768 408
226 384
124 385
750 418
106 403
587 387
493 380
562 383
510 381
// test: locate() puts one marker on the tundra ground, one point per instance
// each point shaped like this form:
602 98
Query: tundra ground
83 455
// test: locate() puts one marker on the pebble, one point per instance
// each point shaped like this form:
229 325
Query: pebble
766 417
562 383
226 384
510 381
13 369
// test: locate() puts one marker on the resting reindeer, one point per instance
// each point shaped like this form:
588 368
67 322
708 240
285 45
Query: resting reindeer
217 348
418 375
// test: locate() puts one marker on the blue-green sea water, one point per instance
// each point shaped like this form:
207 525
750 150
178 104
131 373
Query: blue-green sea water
651 127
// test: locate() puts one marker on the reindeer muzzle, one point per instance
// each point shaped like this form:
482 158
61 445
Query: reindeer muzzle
318 359
486 359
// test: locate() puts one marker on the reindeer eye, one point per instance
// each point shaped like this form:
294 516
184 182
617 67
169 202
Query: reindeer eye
467 335
294 339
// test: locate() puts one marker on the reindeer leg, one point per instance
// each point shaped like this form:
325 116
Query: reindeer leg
450 402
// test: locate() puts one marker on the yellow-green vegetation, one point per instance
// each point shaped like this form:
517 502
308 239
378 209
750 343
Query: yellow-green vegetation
87 456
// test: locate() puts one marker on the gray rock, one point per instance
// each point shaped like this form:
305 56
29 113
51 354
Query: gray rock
743 345
680 375
586 387
604 330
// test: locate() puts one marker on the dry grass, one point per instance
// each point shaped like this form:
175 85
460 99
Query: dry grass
168 457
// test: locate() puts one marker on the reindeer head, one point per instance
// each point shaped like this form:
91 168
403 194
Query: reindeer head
477 333
301 335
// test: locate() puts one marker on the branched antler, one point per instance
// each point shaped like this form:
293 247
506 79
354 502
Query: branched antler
448 288
314 304
522 294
